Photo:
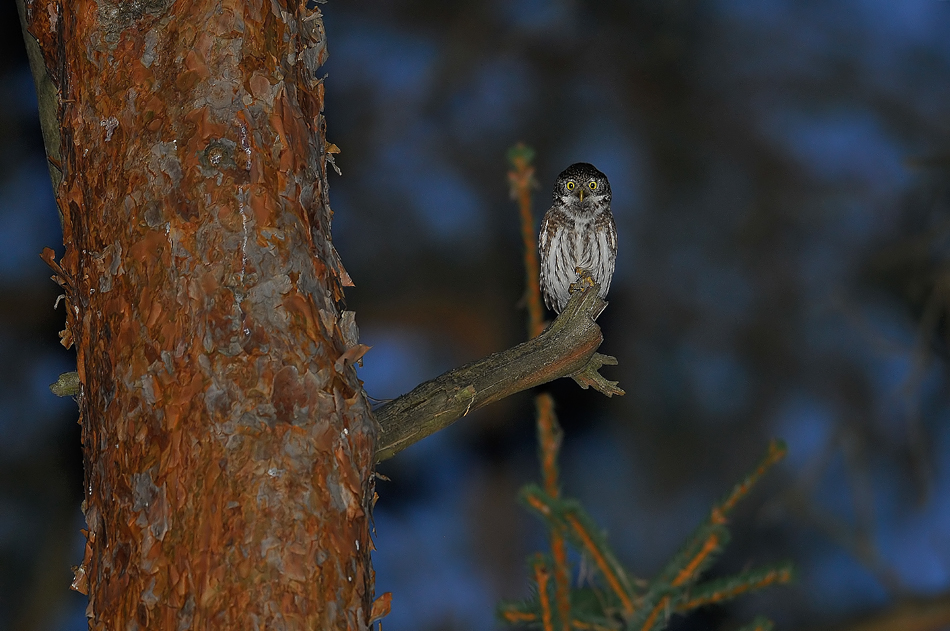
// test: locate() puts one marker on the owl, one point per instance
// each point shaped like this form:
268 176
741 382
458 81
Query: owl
578 231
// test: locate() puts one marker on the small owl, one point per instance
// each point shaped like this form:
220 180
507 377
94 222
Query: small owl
578 231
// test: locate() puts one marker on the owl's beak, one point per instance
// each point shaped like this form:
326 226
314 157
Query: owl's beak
581 194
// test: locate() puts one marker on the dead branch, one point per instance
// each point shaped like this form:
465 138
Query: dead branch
567 348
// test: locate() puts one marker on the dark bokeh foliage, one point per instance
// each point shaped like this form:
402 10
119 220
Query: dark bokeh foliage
779 172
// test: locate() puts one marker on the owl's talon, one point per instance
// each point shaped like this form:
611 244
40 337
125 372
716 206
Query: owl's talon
584 280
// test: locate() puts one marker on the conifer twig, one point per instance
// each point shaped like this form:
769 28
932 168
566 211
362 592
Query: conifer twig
541 576
602 557
584 535
701 558
513 615
775 453
728 588
703 546
521 178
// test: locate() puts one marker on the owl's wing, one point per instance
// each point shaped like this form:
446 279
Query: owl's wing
548 228
612 236
608 259
543 237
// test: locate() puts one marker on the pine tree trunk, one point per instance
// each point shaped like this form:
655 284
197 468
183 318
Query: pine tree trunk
228 444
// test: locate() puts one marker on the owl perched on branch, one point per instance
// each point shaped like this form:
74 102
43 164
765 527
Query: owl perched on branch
578 231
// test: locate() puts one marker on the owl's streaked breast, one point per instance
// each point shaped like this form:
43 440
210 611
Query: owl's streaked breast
578 231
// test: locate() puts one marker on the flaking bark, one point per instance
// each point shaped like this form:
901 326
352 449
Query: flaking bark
228 445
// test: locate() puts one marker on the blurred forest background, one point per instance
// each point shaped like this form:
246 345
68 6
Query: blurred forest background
780 180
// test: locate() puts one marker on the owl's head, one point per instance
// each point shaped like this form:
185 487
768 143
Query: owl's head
582 183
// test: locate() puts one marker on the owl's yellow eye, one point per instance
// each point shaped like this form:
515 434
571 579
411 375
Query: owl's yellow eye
593 185
570 186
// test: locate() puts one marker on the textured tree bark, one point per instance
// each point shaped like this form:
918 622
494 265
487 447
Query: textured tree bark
228 444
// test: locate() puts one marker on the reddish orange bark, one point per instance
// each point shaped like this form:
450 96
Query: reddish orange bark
227 440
